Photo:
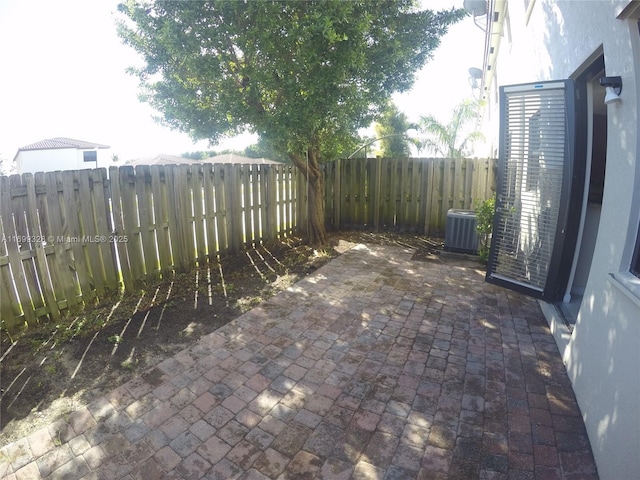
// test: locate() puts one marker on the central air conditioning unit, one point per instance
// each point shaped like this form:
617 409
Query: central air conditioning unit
460 232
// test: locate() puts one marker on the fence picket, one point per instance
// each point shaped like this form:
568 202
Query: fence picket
337 193
423 190
186 190
160 215
10 307
247 206
102 208
234 207
300 205
287 198
438 195
256 229
358 194
209 212
414 218
376 192
199 220
122 248
264 202
272 202
184 251
145 221
131 227
282 207
222 222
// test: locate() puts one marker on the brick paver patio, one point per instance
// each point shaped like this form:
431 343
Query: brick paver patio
375 367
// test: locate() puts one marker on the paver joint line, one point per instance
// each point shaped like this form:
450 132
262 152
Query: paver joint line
375 366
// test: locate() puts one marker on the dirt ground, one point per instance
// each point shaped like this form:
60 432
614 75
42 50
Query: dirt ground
51 371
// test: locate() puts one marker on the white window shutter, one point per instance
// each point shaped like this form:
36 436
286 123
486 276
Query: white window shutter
534 187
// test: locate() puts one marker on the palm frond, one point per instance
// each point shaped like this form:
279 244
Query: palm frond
445 139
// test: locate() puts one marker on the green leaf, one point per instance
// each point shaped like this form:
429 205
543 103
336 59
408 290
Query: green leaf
304 75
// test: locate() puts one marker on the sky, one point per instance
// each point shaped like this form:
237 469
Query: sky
63 74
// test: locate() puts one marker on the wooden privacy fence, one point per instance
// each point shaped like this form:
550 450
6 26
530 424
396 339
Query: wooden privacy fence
71 237
406 195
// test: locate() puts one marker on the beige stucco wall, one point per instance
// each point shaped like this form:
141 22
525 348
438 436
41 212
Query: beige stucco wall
32 161
602 354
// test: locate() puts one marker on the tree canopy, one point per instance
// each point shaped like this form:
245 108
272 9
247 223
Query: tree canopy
392 129
304 75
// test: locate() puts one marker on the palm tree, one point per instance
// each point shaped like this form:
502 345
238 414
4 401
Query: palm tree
391 129
449 140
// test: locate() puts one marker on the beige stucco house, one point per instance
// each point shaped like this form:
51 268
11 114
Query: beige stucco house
562 83
61 153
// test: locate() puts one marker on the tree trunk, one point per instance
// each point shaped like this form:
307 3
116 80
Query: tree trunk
315 231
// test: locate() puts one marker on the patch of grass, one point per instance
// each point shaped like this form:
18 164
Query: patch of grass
247 303
129 364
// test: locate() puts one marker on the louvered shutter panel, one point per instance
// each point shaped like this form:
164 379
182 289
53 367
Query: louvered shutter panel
534 187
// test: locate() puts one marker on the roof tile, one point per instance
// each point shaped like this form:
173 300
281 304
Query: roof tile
62 142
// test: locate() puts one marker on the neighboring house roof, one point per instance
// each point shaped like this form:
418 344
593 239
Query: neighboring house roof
164 159
62 142
235 158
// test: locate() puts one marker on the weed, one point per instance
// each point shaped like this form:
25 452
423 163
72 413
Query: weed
36 344
128 364
117 339
485 211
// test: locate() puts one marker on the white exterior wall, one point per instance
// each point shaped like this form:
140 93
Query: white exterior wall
32 161
602 354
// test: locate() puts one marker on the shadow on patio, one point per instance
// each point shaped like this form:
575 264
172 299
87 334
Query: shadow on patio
380 365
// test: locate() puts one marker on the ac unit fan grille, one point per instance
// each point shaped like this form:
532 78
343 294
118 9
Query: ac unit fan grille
460 232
